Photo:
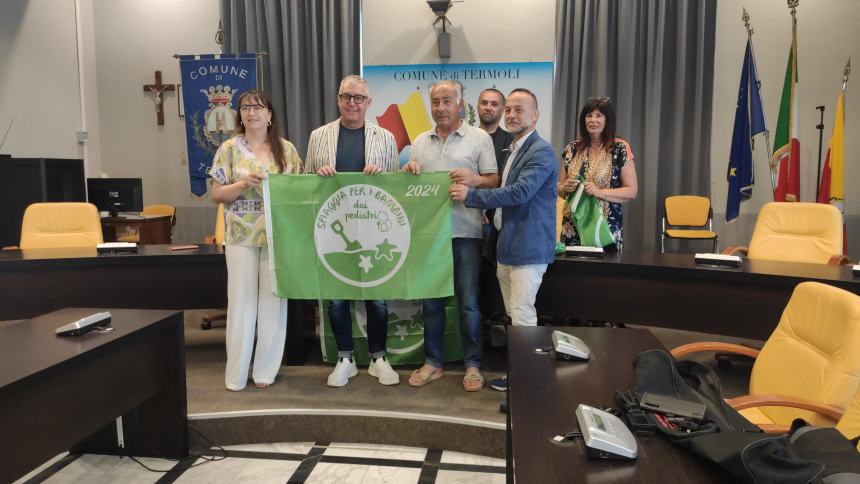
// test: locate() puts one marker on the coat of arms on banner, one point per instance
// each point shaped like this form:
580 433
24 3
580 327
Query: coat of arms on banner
219 121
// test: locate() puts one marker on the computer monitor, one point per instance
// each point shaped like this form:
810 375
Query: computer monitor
116 194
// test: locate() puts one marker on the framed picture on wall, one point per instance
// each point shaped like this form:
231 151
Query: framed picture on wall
179 101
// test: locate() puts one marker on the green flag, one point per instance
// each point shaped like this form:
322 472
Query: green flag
352 236
588 218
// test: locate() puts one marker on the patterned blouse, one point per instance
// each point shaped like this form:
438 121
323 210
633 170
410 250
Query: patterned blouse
245 222
605 172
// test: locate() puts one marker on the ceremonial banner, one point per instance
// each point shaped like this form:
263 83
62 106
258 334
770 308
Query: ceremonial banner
353 236
210 84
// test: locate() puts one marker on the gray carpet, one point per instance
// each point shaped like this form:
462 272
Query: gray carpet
303 387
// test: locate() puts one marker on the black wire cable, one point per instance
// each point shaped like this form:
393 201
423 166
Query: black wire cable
195 456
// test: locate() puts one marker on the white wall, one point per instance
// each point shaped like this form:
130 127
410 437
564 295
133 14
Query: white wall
133 39
827 35
401 31
39 79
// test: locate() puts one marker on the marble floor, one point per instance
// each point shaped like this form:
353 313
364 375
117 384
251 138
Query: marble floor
279 463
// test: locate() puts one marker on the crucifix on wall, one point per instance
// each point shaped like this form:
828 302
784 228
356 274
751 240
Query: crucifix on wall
157 90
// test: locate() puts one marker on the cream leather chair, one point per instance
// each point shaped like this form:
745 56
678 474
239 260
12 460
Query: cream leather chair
809 367
65 224
796 232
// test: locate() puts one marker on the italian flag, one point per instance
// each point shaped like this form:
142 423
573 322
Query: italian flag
786 149
832 189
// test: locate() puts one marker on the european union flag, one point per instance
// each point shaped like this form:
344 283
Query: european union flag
749 121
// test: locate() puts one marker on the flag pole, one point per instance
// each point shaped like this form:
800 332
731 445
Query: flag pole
820 128
746 18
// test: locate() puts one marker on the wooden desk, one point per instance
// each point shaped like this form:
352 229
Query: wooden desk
153 229
59 394
39 281
543 396
670 290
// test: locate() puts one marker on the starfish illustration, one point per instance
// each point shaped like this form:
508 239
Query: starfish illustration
401 332
384 250
365 263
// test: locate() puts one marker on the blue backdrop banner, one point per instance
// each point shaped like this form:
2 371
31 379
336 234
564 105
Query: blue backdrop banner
210 86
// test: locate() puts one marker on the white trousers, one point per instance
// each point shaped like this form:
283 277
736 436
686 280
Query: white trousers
519 286
252 304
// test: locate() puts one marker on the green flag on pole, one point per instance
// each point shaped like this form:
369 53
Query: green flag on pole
353 236
587 216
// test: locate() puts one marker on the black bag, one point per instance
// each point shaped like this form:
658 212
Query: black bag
807 454
658 372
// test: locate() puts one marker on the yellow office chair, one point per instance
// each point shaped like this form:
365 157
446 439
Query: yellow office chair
65 224
688 211
151 210
810 364
796 232
217 238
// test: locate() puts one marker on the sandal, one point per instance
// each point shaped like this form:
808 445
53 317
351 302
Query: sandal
473 382
262 385
424 375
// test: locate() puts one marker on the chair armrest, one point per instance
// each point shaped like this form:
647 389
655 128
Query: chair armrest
11 247
750 401
736 249
774 428
839 260
687 349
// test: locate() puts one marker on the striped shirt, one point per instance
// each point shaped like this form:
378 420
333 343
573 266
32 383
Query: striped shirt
379 147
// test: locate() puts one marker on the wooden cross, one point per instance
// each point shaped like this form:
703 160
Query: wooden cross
157 89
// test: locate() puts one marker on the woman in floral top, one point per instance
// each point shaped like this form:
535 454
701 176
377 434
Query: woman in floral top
606 164
239 167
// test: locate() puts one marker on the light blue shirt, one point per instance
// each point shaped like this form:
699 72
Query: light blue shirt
467 147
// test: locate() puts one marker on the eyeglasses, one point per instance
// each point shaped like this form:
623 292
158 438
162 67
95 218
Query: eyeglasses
345 98
598 99
247 108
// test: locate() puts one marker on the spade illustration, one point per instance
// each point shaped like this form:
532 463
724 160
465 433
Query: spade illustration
351 245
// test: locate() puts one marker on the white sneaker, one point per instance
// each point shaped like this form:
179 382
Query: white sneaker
343 371
381 369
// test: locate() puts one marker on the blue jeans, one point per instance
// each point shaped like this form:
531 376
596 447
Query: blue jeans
467 268
377 327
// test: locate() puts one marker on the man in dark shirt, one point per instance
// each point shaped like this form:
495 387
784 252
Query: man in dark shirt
491 104
350 144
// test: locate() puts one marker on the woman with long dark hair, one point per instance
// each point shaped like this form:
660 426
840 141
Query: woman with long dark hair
238 170
605 162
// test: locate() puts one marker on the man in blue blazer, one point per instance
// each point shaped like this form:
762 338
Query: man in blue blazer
525 218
